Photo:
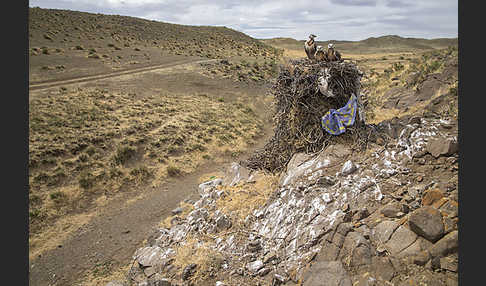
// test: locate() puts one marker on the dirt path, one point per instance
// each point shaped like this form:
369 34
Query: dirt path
115 232
53 83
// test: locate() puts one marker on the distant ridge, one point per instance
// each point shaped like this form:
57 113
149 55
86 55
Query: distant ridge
370 45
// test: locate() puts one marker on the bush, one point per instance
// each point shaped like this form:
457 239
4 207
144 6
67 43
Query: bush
123 154
173 171
86 181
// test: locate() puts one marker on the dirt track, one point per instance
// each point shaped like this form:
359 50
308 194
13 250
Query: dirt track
36 85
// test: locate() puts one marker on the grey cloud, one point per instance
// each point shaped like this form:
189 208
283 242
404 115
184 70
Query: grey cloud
398 4
354 2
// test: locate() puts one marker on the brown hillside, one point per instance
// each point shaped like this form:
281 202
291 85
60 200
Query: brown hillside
67 44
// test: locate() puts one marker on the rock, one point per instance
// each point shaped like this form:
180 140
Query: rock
421 258
361 214
149 256
272 255
431 196
235 174
448 263
264 271
332 272
412 250
446 245
206 185
344 228
278 279
253 246
383 268
383 231
177 211
188 271
439 203
441 146
329 252
427 222
364 230
326 181
450 208
254 266
400 239
391 210
435 263
449 224
219 283
357 249
348 168
149 271
223 222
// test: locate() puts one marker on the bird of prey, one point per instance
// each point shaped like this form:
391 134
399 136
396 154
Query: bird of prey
332 55
310 46
320 55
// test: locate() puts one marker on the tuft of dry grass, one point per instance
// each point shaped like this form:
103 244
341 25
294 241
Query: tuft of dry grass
241 200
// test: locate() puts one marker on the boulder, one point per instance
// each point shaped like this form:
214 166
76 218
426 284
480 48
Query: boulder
441 146
427 222
357 249
209 184
254 266
392 210
400 239
383 231
330 272
149 256
431 196
348 168
235 174
446 245
383 268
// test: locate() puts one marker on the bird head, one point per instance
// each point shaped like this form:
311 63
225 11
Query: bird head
312 36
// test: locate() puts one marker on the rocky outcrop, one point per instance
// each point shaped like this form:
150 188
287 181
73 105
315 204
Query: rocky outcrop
385 216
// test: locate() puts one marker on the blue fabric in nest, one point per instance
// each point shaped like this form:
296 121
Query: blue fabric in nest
336 121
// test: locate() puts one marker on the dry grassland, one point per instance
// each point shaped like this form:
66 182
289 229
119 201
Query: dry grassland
85 146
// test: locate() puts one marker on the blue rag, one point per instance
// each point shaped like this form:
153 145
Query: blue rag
334 121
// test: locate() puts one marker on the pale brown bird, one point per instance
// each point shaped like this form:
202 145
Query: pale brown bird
310 46
320 55
332 55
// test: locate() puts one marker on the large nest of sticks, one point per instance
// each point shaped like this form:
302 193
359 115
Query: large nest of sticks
299 108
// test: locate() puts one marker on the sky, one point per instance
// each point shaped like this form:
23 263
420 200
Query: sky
352 20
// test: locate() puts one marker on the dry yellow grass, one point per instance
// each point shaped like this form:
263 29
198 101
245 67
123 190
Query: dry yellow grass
243 199
88 145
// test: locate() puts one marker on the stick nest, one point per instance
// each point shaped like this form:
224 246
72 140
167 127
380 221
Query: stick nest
299 107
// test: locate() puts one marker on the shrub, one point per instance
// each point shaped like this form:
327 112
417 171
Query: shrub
173 171
123 154
86 181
